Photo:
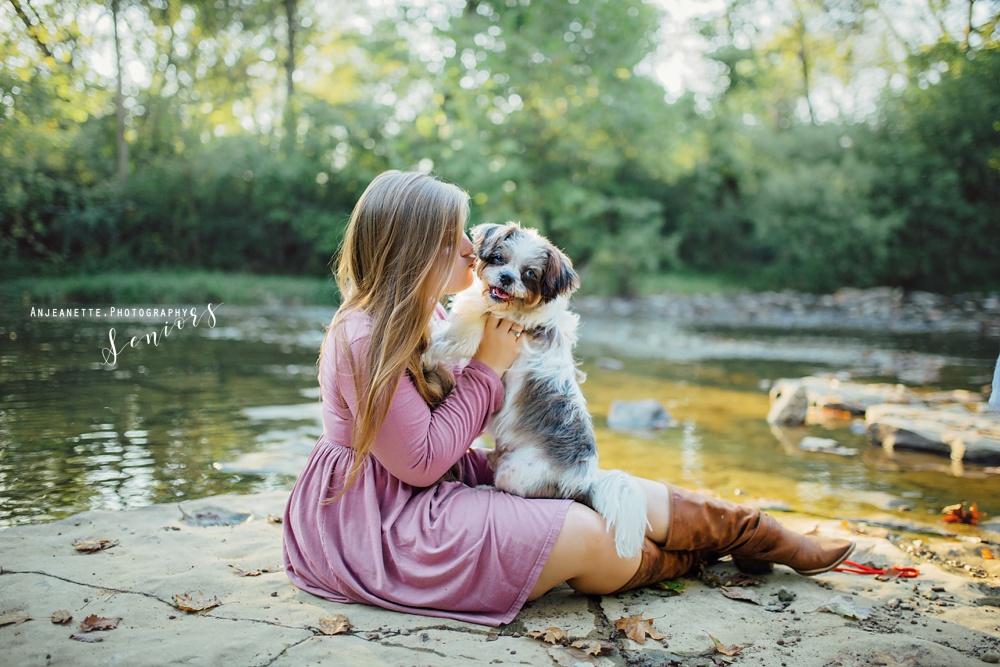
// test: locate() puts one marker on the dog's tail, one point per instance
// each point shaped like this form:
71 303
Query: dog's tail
621 500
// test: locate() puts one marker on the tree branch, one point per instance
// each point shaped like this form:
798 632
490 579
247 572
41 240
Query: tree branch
31 28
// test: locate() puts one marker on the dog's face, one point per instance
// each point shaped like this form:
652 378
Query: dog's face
520 268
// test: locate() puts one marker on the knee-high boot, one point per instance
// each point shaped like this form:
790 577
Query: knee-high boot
658 564
716 527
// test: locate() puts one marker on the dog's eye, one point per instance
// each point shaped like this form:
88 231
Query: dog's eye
530 274
494 259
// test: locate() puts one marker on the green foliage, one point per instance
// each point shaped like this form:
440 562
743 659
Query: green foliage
542 111
168 288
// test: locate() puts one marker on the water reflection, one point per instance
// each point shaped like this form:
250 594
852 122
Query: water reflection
234 409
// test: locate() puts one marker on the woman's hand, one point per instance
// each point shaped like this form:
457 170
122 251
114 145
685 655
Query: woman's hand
500 345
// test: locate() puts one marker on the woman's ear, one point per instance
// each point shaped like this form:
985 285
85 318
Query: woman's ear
559 278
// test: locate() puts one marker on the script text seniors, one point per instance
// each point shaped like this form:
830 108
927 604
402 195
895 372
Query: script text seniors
193 319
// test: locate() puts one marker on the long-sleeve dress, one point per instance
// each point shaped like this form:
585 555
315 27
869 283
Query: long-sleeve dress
399 538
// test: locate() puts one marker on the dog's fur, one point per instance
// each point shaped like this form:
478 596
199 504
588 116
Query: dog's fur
545 446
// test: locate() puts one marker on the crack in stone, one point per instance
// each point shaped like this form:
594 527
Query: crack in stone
286 650
151 596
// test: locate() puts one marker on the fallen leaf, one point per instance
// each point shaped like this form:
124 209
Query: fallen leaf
195 602
566 656
672 586
549 635
89 639
741 579
845 607
593 646
730 650
14 618
253 573
637 628
958 514
741 594
814 531
90 546
337 625
61 617
986 554
274 518
94 622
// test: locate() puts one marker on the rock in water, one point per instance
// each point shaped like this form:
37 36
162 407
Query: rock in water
789 404
995 391
640 415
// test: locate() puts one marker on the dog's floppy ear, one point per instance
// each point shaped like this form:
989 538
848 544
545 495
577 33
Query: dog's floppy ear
559 278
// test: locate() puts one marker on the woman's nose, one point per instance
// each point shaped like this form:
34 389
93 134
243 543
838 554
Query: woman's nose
465 247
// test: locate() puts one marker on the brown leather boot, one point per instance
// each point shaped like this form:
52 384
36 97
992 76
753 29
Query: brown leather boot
719 527
658 564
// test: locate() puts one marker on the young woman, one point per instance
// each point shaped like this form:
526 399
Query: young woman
390 509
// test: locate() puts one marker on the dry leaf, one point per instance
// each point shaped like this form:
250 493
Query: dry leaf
95 622
274 518
89 639
986 554
845 607
90 546
549 635
958 514
593 646
637 628
337 625
195 602
253 573
742 594
730 650
14 618
568 656
61 617
741 579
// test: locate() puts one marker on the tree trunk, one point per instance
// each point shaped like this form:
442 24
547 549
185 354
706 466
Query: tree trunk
804 59
120 143
290 115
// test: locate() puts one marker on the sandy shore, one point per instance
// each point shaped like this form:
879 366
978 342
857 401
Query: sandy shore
941 618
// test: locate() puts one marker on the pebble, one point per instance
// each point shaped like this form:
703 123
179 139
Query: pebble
991 657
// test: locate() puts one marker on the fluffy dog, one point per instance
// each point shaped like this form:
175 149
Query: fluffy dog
545 446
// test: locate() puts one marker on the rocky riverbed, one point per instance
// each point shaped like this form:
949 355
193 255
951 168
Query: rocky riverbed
877 309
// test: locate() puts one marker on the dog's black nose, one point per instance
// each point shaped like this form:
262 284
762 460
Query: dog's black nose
506 279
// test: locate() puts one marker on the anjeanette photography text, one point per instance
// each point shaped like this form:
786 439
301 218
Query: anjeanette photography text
182 317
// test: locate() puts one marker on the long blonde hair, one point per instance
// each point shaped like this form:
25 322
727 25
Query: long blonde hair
394 265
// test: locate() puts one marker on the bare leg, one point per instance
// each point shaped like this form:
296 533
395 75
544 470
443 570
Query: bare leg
584 556
657 510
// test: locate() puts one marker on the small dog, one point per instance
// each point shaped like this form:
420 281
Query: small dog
545 445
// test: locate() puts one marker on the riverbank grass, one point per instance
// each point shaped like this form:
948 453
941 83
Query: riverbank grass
247 289
168 287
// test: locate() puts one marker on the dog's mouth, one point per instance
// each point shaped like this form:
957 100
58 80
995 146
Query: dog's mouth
500 294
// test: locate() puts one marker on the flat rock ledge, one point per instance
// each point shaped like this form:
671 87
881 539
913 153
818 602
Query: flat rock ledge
957 424
877 308
941 618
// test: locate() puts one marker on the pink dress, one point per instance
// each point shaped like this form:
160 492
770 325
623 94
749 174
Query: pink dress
398 538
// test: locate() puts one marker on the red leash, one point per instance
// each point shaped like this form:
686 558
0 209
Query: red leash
858 568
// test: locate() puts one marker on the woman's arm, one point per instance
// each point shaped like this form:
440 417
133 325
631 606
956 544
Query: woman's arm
418 445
